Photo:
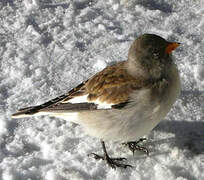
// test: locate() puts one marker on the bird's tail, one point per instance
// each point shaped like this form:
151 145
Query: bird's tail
28 111
57 109
55 105
37 110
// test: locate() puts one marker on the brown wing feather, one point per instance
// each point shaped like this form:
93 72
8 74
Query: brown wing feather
113 85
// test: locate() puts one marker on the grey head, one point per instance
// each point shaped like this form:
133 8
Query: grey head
152 53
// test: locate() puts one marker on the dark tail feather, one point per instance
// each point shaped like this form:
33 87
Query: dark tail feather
24 112
29 111
56 108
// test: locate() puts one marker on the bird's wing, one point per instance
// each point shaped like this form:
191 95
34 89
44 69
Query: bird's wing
113 85
77 91
108 89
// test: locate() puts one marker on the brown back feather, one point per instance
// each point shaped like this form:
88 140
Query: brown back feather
113 85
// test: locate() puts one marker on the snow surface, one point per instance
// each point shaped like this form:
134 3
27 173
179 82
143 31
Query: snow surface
47 47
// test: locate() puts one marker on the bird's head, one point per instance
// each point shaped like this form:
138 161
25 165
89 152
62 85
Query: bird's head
152 52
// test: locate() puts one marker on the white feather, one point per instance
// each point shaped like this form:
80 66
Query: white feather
83 99
102 105
79 99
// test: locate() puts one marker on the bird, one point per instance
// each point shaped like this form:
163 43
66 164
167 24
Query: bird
125 100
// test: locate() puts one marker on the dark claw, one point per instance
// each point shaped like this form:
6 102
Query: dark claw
133 146
118 159
119 165
96 156
112 162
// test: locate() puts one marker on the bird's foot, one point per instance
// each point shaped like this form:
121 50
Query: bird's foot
133 146
112 162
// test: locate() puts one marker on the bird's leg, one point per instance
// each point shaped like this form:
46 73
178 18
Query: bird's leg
133 146
112 162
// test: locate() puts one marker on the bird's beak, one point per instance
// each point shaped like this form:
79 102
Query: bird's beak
172 46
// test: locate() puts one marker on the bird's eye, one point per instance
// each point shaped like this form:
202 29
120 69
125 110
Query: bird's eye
156 55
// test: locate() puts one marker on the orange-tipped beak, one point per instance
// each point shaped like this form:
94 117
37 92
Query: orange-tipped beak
171 46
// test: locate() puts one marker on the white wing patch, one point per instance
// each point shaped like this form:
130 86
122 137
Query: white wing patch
102 105
79 99
83 99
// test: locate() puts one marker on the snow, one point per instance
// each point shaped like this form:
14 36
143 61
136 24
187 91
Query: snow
48 47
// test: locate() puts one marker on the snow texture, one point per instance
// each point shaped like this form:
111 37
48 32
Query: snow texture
49 46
